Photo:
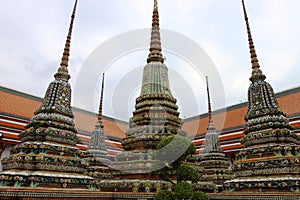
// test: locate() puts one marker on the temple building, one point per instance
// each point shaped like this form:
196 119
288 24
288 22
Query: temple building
212 159
47 155
51 150
270 159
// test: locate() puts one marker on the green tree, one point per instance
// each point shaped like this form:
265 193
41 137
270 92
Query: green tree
183 190
174 149
164 195
187 173
199 196
171 151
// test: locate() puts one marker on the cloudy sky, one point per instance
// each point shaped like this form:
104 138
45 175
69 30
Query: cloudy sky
33 33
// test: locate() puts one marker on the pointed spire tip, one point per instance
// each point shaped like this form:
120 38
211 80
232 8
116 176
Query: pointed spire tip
211 125
155 43
256 72
155 5
100 116
62 72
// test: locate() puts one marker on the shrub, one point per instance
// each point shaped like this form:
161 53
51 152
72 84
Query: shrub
187 173
164 195
199 196
174 149
183 191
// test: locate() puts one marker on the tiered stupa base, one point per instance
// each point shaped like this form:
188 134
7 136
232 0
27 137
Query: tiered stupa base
134 171
269 168
134 185
44 179
45 164
99 167
146 137
215 168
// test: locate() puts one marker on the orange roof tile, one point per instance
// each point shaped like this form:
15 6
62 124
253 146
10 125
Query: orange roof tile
24 105
18 105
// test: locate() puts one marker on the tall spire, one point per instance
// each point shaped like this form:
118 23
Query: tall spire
212 143
211 125
50 140
155 44
97 151
100 105
97 144
212 159
257 166
62 72
256 72
57 100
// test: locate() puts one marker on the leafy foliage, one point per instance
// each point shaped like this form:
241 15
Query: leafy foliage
174 149
183 190
164 195
199 196
187 173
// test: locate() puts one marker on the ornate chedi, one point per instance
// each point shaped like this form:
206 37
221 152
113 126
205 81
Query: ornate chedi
213 160
47 155
155 117
155 114
270 160
96 154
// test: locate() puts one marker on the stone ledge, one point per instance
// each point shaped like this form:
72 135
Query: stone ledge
80 194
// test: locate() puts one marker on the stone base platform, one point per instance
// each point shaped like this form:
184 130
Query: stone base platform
18 193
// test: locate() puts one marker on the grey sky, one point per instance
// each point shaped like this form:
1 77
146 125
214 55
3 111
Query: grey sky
33 33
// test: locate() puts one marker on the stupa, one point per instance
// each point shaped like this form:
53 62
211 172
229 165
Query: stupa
155 114
96 154
155 117
47 155
270 159
212 159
